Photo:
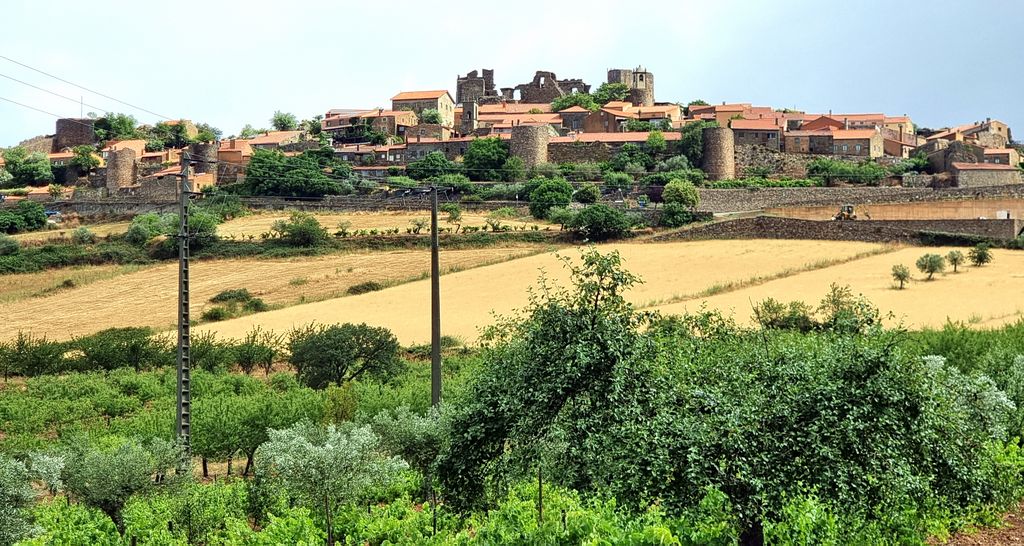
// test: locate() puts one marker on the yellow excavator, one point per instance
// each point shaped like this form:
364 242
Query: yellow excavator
845 213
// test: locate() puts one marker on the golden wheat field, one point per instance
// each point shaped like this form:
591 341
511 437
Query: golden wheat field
255 224
62 231
671 272
986 296
110 297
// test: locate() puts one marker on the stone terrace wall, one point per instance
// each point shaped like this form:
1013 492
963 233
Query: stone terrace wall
578 152
770 227
766 198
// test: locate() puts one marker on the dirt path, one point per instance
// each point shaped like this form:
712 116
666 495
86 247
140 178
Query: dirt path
1011 533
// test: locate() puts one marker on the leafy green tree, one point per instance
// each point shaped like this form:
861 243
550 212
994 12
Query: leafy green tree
454 212
173 135
343 352
674 163
513 170
433 165
27 168
248 132
16 498
8 245
656 143
631 154
587 194
33 215
328 467
682 192
415 438
301 229
115 126
551 192
127 347
562 216
105 478
901 274
270 172
691 143
484 159
5 177
600 222
980 255
955 258
931 264
430 116
584 100
638 126
608 92
284 121
616 181
85 159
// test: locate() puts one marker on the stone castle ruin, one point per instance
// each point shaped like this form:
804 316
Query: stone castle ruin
639 81
545 87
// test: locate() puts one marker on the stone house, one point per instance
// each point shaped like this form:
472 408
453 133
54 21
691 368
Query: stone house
389 122
808 142
136 145
274 139
757 132
1003 156
613 116
822 123
858 142
987 134
973 175
236 151
418 101
573 118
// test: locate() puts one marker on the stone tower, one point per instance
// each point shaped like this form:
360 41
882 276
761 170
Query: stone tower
719 153
122 169
530 143
73 132
470 118
639 81
204 155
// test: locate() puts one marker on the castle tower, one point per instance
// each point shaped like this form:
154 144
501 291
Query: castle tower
719 153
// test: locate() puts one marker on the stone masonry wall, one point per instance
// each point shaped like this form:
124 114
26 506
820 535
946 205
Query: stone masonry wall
579 152
766 198
530 143
768 227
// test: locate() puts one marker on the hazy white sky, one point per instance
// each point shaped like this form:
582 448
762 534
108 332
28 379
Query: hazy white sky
232 62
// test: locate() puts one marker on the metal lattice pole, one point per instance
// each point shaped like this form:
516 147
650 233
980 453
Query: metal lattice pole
435 305
184 426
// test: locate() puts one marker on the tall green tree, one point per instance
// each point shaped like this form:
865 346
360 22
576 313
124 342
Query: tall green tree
16 498
116 126
27 168
608 92
85 159
344 352
284 121
484 159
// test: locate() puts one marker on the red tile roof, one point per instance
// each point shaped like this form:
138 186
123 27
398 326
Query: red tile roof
983 167
994 151
819 132
576 108
754 125
613 137
851 134
274 137
420 95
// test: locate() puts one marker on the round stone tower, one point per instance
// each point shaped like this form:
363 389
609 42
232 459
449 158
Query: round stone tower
204 157
73 132
719 153
530 143
122 170
641 91
621 75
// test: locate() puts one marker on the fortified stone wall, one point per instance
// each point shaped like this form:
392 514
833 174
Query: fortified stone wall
546 87
976 179
122 169
73 132
962 209
767 198
769 227
579 152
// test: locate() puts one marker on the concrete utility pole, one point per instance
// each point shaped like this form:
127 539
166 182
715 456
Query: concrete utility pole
435 304
184 418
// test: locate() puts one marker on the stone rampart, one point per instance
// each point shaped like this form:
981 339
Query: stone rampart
766 198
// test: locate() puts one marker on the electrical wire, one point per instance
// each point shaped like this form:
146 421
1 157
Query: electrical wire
139 108
65 97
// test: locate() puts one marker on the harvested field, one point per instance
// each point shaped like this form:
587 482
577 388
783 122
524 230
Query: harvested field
256 224
148 297
64 231
29 285
987 296
670 271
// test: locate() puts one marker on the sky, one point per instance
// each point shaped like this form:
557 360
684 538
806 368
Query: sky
229 62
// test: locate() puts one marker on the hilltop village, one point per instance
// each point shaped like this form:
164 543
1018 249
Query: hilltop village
547 120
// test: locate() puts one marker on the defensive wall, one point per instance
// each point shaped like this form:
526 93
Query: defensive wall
966 209
751 199
909 231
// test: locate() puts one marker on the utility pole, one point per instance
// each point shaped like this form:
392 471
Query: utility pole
435 304
184 418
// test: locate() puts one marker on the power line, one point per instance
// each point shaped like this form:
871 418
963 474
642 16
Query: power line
65 97
84 88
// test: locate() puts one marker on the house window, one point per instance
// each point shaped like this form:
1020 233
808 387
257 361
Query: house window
846 147
771 136
858 148
796 141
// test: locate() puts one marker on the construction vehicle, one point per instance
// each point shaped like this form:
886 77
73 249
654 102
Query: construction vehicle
845 213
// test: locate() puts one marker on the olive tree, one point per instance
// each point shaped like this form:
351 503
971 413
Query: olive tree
980 255
955 258
16 497
343 352
901 274
931 264
327 466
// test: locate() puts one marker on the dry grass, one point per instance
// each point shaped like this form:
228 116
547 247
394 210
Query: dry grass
32 285
986 297
64 231
256 224
148 297
468 298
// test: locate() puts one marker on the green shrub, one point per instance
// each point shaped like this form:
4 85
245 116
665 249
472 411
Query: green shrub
31 356
682 192
301 229
255 305
675 215
216 313
615 181
239 295
587 194
8 245
82 236
550 193
130 347
931 264
600 222
365 287
980 255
